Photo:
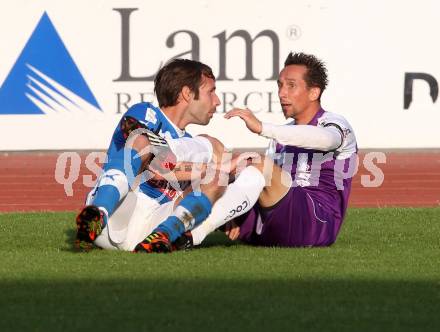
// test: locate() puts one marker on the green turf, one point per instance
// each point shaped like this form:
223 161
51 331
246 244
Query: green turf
381 275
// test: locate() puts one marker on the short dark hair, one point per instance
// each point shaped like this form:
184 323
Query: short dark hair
316 75
176 74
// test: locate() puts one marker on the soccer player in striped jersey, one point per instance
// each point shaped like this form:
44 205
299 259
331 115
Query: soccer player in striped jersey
120 213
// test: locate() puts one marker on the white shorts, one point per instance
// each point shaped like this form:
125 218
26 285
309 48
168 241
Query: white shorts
132 221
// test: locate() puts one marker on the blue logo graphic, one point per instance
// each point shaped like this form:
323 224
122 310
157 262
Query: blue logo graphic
45 79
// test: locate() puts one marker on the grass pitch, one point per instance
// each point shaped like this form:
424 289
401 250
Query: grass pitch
383 274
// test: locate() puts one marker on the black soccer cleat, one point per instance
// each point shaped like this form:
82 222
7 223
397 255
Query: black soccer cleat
89 224
184 242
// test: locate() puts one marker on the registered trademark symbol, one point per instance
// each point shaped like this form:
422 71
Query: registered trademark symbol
293 32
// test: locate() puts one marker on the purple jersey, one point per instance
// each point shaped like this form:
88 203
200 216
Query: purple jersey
324 175
311 213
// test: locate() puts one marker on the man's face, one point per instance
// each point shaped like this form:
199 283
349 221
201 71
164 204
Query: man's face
295 96
203 108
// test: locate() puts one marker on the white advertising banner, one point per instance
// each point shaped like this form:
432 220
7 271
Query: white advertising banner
69 69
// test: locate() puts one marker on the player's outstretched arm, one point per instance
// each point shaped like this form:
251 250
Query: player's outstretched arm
306 136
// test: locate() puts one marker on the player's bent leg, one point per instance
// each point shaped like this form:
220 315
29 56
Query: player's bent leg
238 198
261 181
277 182
111 188
297 220
217 147
118 175
146 216
114 229
193 209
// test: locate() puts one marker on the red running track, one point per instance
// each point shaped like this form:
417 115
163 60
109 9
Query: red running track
28 183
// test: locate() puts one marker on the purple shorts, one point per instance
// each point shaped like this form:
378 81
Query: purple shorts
297 220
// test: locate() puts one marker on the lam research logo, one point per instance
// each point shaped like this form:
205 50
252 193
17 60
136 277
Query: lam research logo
45 79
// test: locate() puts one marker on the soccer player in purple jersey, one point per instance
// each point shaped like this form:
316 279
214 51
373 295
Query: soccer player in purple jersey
300 189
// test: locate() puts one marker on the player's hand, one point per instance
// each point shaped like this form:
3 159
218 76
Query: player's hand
251 121
232 230
241 160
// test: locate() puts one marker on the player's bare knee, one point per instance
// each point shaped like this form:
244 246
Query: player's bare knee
217 147
214 189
